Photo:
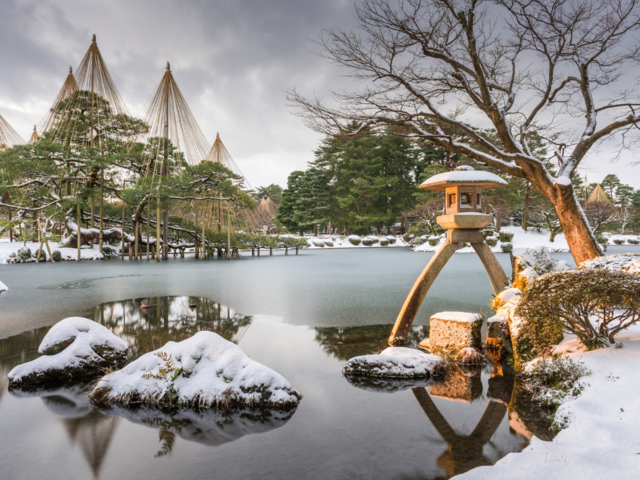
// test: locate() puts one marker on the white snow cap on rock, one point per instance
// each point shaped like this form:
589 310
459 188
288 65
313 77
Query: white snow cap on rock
203 370
458 316
394 362
3 287
82 334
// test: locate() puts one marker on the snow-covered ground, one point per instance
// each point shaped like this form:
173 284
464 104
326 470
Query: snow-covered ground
602 439
521 241
68 254
339 241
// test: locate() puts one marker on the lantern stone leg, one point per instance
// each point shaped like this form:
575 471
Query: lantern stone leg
494 270
418 292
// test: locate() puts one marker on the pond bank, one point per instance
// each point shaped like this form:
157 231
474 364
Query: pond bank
602 439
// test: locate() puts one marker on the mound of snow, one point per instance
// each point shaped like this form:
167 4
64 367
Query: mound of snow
204 370
396 362
74 348
208 427
626 262
3 287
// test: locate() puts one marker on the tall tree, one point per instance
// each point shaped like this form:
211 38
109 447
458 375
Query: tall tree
427 63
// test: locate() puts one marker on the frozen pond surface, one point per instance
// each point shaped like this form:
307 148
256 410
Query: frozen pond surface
301 315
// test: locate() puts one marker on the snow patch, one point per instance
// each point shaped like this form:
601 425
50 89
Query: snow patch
563 180
3 287
626 262
457 316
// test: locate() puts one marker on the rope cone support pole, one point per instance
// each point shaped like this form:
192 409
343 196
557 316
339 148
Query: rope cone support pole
101 209
78 231
228 231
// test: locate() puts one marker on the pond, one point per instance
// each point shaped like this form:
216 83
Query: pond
301 315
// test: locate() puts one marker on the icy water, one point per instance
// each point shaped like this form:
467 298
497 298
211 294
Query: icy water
301 315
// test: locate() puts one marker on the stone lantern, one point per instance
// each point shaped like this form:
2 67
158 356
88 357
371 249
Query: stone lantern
464 220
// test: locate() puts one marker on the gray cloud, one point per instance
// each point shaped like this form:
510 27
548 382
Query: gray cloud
232 59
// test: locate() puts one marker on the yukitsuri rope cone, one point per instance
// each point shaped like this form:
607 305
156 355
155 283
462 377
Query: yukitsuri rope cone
69 87
8 136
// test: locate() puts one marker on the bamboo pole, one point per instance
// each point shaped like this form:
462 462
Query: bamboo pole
158 230
122 236
101 208
148 222
228 232
204 256
78 231
39 235
92 224
197 246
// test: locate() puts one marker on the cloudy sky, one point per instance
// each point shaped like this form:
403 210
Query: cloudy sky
233 61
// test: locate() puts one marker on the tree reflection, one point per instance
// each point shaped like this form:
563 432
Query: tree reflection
147 324
86 427
348 342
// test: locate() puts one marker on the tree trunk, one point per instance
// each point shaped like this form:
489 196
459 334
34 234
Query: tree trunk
575 226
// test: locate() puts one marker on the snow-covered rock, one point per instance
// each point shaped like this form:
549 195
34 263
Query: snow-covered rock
3 287
209 426
396 362
74 348
626 262
204 370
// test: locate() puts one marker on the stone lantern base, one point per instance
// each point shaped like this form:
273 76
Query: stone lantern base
456 237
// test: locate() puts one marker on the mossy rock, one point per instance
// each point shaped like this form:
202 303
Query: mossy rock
58 347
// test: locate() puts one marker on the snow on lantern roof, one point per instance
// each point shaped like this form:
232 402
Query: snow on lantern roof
461 176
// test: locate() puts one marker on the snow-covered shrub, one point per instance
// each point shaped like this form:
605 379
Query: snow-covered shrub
355 240
24 253
318 243
43 256
593 304
489 231
433 241
367 241
107 252
505 236
618 240
536 261
633 241
408 236
384 242
602 240
204 371
506 247
491 241
625 262
418 240
74 348
392 240
555 381
373 238
56 256
328 243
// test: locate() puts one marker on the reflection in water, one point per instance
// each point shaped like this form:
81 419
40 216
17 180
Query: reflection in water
86 427
147 324
349 342
207 427
388 385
